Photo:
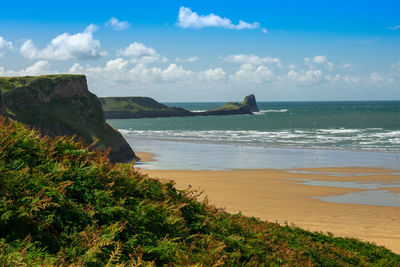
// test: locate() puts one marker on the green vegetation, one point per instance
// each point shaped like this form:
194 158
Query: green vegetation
230 106
138 107
130 104
8 83
61 204
61 105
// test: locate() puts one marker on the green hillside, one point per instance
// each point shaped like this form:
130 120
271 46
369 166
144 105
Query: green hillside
61 105
63 205
138 107
130 103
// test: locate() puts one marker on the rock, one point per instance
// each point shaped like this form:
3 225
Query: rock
61 105
250 101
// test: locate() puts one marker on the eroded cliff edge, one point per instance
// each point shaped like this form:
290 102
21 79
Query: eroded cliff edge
60 105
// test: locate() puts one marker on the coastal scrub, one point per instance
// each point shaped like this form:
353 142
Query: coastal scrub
63 204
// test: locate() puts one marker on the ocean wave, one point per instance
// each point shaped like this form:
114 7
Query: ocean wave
351 139
271 110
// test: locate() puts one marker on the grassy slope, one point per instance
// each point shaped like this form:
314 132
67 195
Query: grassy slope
61 205
130 104
230 106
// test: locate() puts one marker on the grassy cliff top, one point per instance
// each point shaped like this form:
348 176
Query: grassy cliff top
8 83
130 103
230 106
63 205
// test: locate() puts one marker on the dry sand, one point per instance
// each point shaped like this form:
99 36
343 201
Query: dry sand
268 195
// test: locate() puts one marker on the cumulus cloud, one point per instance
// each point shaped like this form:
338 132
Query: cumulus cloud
139 53
65 46
117 25
252 59
249 73
38 68
4 44
189 19
216 74
319 59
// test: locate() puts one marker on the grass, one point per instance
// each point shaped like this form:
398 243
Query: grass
230 106
9 83
61 204
131 104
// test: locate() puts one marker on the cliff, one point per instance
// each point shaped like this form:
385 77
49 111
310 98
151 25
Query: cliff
61 105
146 107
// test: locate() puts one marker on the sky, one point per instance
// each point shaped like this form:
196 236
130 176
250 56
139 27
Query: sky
193 51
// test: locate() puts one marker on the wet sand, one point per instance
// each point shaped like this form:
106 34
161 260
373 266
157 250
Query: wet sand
145 156
269 195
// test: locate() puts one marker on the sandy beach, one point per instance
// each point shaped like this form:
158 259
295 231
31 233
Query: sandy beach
269 195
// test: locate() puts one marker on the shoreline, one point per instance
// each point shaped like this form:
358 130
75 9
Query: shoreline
174 155
269 194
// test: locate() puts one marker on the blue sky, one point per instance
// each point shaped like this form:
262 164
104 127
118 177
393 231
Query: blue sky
210 50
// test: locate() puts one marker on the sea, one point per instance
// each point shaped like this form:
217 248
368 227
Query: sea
282 135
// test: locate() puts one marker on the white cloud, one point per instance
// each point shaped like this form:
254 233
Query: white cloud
319 59
342 78
175 73
76 68
66 46
249 73
190 59
189 19
394 28
252 59
139 53
264 30
117 25
329 66
375 77
116 64
4 44
346 66
308 76
38 68
212 74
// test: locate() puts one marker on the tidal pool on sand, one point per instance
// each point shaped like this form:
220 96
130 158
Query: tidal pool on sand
375 197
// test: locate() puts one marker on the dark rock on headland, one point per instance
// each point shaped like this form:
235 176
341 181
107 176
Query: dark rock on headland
250 101
61 105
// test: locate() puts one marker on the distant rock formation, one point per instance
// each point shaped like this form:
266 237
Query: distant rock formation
138 107
146 107
250 101
61 105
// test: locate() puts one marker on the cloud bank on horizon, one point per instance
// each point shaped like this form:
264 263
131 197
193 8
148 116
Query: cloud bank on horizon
136 68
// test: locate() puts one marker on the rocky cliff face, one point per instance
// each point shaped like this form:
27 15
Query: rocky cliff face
60 105
250 101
